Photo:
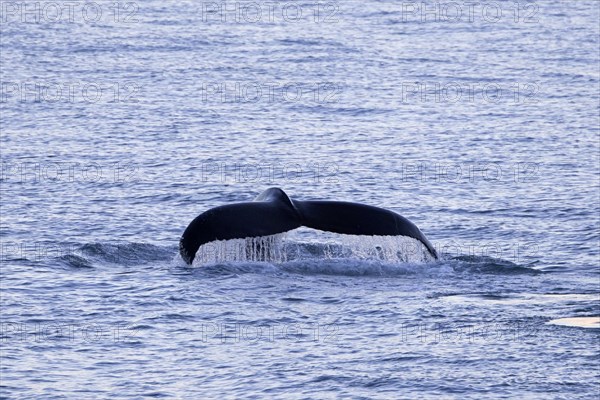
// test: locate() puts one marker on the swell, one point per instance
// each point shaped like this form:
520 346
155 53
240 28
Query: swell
307 258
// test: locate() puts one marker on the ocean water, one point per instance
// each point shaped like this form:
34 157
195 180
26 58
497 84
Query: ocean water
122 121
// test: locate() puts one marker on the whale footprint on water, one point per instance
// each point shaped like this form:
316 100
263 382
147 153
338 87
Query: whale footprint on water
273 212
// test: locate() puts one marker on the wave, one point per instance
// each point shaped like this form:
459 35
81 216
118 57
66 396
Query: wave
307 258
91 255
353 267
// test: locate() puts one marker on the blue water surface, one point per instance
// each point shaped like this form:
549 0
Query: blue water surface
122 121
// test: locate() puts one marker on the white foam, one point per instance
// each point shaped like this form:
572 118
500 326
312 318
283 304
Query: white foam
263 248
282 248
578 322
394 249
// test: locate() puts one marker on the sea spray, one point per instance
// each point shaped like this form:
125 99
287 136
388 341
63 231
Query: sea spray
264 248
281 247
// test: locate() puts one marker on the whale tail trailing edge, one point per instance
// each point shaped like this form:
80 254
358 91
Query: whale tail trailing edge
273 212
236 221
358 219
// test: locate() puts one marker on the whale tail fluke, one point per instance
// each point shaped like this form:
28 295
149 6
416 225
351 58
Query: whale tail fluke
235 221
358 219
273 212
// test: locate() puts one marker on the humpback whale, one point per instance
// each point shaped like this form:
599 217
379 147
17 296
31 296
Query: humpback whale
274 212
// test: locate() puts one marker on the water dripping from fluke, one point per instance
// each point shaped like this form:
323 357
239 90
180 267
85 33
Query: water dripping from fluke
280 249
